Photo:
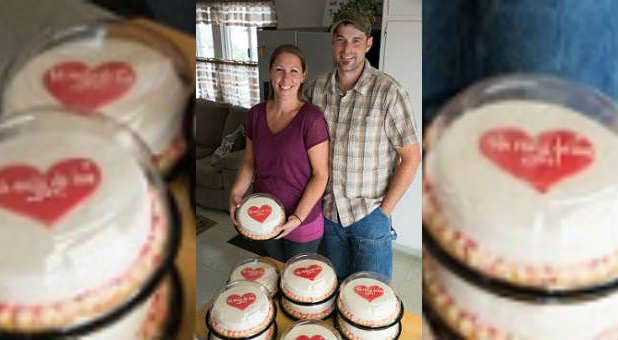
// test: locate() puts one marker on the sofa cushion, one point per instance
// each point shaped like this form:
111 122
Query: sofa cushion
237 116
203 151
206 175
210 122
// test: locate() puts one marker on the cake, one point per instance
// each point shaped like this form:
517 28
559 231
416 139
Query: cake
242 309
524 191
477 313
315 311
118 69
269 334
308 278
366 300
89 214
352 332
259 270
259 215
311 330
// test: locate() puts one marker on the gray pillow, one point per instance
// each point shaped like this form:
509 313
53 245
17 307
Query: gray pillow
227 144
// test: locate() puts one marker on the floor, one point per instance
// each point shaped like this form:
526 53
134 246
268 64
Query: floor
216 258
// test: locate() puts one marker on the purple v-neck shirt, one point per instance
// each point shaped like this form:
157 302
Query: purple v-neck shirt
282 166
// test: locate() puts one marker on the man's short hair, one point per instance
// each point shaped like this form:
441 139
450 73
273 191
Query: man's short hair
362 21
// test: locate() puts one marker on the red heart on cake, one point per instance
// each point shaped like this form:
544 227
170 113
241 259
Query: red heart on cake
260 214
541 161
315 337
48 196
241 302
308 272
76 85
369 293
252 274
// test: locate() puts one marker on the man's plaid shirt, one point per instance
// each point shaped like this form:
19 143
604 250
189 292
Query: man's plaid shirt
364 126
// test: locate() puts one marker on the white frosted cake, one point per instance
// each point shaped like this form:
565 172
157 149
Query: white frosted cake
525 191
259 215
367 301
81 205
257 270
308 278
311 330
242 309
476 313
124 79
308 312
354 333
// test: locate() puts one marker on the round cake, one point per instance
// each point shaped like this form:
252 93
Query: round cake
316 311
269 334
311 330
90 249
366 299
258 270
308 278
118 69
524 190
475 313
259 215
241 310
352 332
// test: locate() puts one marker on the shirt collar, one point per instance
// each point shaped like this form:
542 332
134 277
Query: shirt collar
361 86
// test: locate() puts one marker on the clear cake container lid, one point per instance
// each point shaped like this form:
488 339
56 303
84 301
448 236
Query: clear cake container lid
367 301
311 329
308 279
258 215
520 184
241 309
120 68
88 227
258 269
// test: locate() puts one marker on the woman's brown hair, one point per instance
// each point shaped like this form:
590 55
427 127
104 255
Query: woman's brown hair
292 49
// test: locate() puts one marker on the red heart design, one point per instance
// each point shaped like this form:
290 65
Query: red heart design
241 302
260 214
252 274
369 293
315 337
542 161
76 85
308 272
49 196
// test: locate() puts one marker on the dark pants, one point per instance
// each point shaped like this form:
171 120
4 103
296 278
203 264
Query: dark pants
283 249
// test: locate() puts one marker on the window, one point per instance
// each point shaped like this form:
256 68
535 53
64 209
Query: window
226 49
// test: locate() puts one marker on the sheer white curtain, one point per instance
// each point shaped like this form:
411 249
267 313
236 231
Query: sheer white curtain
227 68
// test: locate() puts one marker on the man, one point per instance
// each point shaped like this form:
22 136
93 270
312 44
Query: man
374 151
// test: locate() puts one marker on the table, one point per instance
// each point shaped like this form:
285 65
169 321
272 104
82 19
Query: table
411 323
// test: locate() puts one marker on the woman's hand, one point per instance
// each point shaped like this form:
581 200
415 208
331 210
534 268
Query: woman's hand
292 223
234 204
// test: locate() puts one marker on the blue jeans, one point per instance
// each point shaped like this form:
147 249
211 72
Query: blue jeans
364 245
467 40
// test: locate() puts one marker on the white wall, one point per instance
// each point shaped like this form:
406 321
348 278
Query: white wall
299 13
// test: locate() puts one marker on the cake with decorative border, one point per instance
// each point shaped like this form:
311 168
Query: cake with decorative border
60 175
476 313
305 312
258 215
123 70
367 300
259 270
311 330
308 278
520 184
241 310
352 332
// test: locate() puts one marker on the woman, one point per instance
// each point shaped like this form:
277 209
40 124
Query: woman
287 156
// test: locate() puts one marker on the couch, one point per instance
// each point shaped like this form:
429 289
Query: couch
213 182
